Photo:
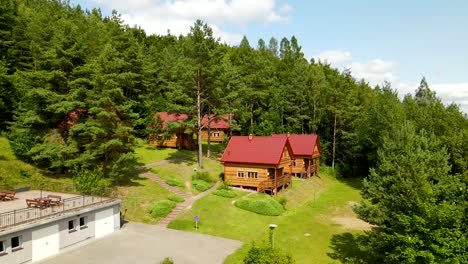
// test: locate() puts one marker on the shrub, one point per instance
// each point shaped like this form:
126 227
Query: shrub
201 185
167 260
175 198
267 255
202 175
282 200
263 206
173 182
90 182
162 208
224 186
225 193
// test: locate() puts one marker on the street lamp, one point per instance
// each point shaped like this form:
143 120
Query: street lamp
272 238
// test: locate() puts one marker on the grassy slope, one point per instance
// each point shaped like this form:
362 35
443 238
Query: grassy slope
138 198
15 173
220 218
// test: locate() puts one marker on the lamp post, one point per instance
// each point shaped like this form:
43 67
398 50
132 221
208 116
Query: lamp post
272 236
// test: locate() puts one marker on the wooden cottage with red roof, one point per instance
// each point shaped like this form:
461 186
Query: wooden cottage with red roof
306 149
171 132
219 126
263 163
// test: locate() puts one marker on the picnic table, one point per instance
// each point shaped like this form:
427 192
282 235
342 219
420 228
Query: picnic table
7 195
41 202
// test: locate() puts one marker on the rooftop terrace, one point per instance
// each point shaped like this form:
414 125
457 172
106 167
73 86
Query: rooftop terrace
16 212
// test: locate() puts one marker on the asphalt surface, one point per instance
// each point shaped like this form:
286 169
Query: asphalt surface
141 243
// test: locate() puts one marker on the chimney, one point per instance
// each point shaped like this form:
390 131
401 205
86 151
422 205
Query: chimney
250 137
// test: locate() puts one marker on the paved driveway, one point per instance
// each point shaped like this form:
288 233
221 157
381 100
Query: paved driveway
140 243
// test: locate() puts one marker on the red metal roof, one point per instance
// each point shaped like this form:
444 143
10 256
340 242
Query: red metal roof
217 122
165 117
302 145
255 149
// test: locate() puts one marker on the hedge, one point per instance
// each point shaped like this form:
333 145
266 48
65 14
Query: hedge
263 206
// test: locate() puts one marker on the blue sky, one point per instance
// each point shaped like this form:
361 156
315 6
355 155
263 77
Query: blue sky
398 41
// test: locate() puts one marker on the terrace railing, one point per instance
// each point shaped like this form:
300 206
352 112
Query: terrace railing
24 215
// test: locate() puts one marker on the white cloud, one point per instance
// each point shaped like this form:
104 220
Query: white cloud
375 72
448 92
334 57
286 8
157 17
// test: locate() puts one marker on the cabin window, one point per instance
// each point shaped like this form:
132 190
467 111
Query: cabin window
293 163
16 243
240 174
159 137
252 174
2 248
215 134
83 222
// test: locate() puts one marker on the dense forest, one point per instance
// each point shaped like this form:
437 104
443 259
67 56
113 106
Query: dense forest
76 89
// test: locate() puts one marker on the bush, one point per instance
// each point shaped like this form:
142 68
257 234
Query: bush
224 186
173 182
167 261
225 193
202 175
175 198
162 208
90 182
201 185
263 206
267 255
282 200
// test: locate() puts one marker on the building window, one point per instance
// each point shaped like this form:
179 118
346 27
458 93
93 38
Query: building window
215 134
252 174
83 222
71 226
2 248
240 174
16 243
294 163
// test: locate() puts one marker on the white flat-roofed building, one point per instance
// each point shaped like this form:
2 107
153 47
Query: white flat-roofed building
29 234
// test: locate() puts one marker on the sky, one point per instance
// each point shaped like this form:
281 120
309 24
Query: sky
398 41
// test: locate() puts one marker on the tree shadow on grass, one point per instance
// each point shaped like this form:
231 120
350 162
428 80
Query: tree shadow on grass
346 248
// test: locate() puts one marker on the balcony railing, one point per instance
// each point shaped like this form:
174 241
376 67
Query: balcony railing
24 215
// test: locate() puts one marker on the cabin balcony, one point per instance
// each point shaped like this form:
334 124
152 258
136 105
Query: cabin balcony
271 185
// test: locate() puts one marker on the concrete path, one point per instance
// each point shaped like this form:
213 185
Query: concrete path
161 182
148 244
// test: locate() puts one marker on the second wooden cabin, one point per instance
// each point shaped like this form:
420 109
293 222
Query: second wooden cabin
219 127
172 132
263 163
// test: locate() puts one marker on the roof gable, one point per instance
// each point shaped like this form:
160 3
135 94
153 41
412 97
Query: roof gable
302 145
256 150
166 117
217 122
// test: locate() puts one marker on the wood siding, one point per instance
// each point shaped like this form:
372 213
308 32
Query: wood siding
265 173
180 140
217 135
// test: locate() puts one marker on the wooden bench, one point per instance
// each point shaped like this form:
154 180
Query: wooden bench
54 199
7 195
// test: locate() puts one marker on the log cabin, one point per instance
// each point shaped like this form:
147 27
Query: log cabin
175 136
306 149
262 163
219 127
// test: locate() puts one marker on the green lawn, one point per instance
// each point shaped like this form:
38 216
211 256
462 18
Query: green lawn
147 154
182 171
305 215
138 197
